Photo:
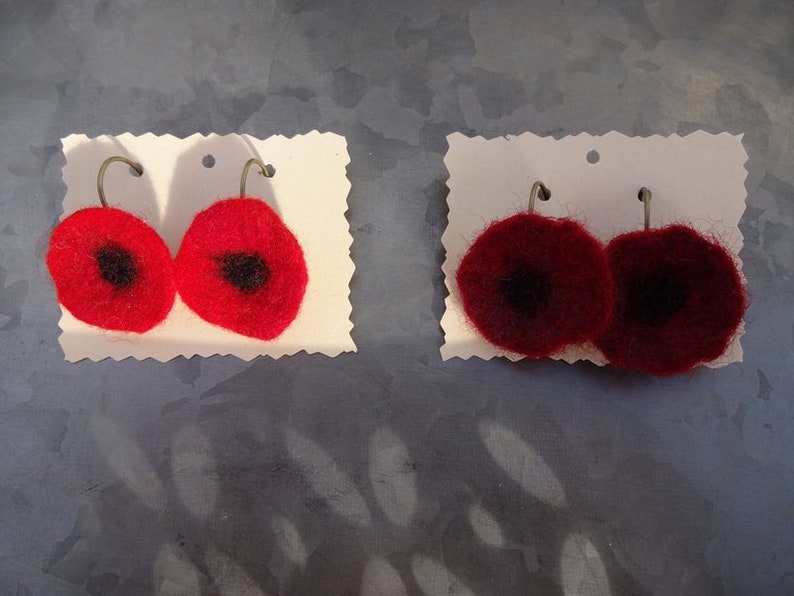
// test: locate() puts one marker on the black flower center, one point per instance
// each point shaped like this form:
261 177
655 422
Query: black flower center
246 272
525 289
116 266
652 300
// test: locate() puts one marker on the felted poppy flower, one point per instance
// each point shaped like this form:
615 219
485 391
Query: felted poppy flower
240 267
678 304
111 270
533 285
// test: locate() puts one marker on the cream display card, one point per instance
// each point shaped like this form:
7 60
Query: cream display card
697 179
183 176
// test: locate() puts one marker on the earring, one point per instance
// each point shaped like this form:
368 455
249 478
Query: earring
109 268
533 285
240 267
679 299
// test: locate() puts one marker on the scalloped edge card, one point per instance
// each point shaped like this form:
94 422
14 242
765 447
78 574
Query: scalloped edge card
184 176
697 179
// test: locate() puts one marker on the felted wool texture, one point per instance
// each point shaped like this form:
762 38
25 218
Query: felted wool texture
679 300
137 289
241 268
533 285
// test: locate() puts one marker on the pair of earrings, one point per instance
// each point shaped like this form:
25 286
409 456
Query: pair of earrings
662 301
238 266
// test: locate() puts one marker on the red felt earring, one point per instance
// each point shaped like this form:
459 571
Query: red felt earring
111 269
679 299
240 267
533 285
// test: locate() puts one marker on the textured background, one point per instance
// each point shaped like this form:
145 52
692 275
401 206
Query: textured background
388 471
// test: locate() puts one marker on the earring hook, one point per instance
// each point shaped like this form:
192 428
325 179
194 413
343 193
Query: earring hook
539 190
262 169
644 195
100 177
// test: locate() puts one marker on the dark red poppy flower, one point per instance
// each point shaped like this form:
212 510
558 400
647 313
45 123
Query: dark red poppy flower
679 300
239 267
111 270
533 285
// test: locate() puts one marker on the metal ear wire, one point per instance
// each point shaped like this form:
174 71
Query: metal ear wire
644 195
100 177
262 170
538 190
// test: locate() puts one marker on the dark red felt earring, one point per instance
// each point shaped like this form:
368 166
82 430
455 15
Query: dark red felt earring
111 269
240 267
679 299
533 285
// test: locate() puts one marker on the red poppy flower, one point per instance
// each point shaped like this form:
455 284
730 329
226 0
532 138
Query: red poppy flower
239 267
111 270
679 300
533 285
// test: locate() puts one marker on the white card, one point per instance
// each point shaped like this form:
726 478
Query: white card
697 180
309 191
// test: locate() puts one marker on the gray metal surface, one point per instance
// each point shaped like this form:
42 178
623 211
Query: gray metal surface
389 469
